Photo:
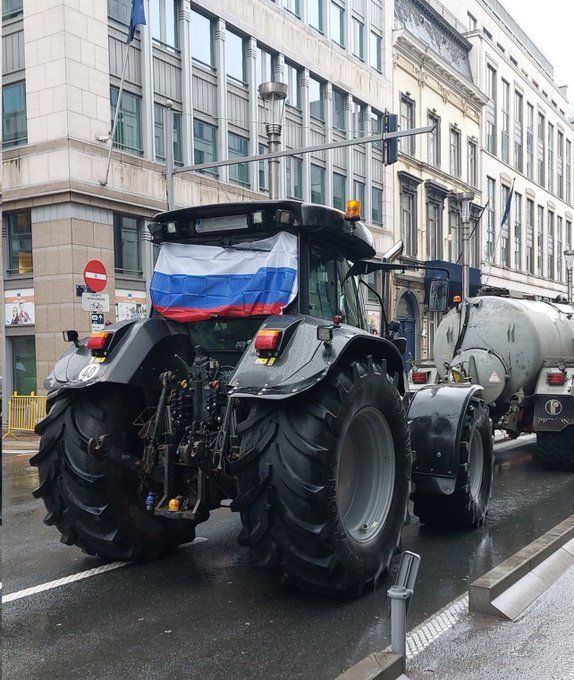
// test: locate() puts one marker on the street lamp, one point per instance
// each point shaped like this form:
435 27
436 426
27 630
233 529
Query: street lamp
465 198
569 259
274 94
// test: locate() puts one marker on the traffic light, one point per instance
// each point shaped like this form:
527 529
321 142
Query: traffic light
390 146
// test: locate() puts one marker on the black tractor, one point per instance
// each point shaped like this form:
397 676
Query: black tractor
255 383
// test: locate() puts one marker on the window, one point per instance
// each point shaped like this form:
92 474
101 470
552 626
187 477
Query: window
263 66
550 158
359 194
560 164
317 184
376 205
376 48
408 222
236 148
23 364
294 177
559 247
339 110
159 130
235 57
569 242
434 230
376 128
518 113
163 22
315 10
11 9
550 273
541 150
504 230
316 98
433 141
120 10
454 235
455 169
127 245
201 38
530 141
505 132
358 39
204 144
490 218
128 129
472 164
293 6
339 191
517 231
540 242
407 121
262 169
472 23
337 21
529 236
491 109
14 125
568 172
358 119
293 86
19 233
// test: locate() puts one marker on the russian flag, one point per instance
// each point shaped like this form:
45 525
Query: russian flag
197 282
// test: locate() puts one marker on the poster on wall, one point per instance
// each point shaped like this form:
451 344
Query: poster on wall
130 304
373 321
19 307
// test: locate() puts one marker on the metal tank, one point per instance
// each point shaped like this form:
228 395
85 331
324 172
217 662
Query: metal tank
503 343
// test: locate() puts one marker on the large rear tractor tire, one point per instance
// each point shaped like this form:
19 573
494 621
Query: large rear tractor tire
467 506
555 450
324 481
94 503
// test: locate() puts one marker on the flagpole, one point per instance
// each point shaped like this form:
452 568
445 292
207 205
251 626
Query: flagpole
104 181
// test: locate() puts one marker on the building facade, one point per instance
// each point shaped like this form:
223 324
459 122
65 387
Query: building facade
527 140
61 74
433 85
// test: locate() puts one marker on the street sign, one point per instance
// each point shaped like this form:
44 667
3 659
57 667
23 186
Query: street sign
95 276
97 321
96 302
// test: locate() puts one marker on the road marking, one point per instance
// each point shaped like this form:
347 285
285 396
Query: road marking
436 625
27 592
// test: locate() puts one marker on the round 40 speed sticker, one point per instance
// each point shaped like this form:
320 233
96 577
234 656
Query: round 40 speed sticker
89 372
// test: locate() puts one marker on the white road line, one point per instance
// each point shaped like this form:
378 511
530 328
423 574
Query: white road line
436 625
18 595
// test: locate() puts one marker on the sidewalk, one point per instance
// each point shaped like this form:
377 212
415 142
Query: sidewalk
539 645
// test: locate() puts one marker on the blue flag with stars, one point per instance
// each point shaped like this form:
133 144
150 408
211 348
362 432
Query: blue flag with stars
137 18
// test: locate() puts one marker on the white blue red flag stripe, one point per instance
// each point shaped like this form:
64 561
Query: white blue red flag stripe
198 282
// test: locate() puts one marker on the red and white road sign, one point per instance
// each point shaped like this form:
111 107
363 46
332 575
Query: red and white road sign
95 276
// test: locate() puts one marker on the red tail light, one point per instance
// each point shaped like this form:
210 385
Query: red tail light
267 340
419 377
99 340
555 378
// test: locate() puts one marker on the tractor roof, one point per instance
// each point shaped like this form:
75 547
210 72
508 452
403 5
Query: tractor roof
206 222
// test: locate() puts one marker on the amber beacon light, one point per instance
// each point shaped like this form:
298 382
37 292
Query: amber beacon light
353 210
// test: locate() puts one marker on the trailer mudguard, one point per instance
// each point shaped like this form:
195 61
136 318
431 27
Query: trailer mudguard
132 357
303 360
435 418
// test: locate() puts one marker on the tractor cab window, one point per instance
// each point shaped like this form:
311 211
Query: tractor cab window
329 292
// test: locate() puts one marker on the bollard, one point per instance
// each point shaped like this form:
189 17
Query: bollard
400 595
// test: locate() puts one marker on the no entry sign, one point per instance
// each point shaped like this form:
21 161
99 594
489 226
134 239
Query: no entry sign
95 276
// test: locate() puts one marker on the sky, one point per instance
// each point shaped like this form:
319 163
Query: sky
550 24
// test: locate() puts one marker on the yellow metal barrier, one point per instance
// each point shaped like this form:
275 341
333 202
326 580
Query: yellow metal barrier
24 412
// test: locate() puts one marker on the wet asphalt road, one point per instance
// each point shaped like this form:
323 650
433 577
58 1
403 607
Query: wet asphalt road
204 613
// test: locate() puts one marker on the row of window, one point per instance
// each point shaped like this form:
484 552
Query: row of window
433 142
538 237
529 142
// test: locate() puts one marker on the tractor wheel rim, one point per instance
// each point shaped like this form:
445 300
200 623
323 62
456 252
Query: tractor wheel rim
476 464
366 475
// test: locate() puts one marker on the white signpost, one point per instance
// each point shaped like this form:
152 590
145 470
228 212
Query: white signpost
96 302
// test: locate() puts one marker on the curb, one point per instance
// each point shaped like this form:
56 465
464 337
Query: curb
376 666
508 589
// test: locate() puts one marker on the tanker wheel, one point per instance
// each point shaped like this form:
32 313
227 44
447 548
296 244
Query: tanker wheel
94 503
324 480
555 450
468 504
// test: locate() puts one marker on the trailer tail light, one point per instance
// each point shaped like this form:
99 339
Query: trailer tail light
267 340
556 378
419 377
98 341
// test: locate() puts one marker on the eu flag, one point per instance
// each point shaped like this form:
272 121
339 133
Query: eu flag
137 18
508 204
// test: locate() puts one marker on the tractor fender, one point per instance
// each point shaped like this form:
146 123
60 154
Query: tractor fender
304 361
436 414
133 357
